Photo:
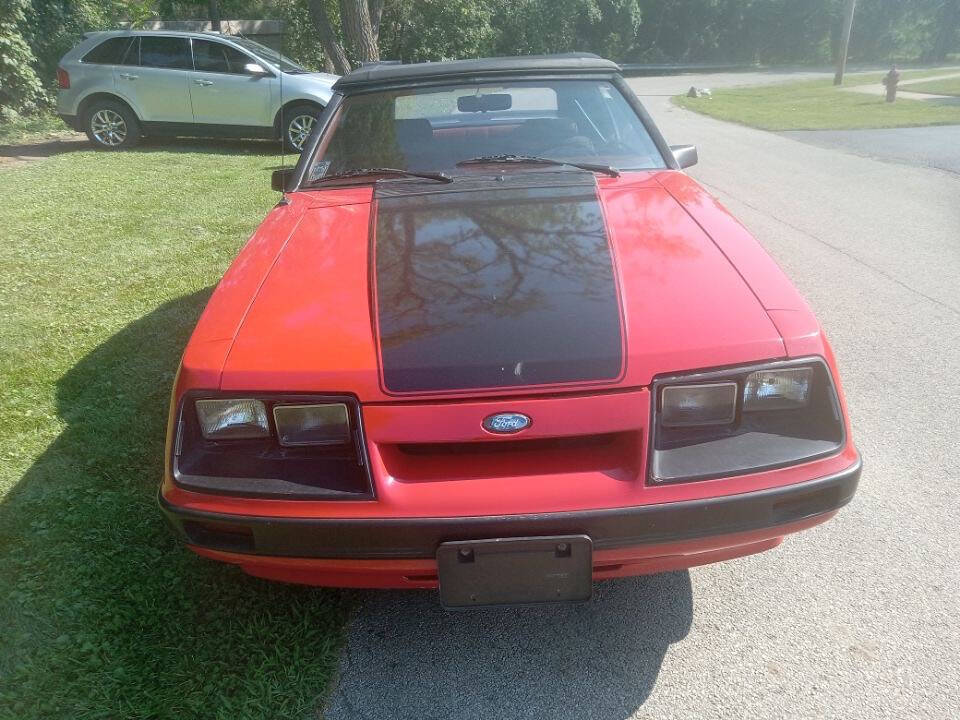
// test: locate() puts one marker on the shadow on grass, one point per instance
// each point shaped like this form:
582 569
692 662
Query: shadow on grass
102 613
408 658
212 146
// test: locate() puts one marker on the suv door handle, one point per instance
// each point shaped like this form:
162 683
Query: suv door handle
204 82
128 76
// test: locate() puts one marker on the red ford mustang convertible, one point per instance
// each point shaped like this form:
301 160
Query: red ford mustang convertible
494 340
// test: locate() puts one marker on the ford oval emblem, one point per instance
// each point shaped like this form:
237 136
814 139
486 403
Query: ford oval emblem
506 423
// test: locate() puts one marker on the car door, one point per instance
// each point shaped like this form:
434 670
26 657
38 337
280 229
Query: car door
227 95
156 82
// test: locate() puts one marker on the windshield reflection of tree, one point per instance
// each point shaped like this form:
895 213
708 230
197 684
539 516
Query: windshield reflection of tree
457 266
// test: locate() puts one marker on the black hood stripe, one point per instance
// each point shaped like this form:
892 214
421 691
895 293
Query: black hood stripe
495 288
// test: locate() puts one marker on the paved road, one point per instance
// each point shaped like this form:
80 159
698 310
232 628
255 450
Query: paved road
859 618
935 147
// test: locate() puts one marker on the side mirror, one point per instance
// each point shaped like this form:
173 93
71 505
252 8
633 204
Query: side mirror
685 155
255 69
280 178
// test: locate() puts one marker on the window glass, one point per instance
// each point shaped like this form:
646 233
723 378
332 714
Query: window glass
165 52
284 63
216 57
436 128
542 100
109 52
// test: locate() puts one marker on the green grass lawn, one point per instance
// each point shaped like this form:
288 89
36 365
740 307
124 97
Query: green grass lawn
818 105
107 260
947 86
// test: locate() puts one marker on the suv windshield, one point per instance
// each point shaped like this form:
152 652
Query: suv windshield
282 62
437 128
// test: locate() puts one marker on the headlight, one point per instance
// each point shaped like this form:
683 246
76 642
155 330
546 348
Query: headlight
312 424
232 419
271 445
741 420
708 404
777 389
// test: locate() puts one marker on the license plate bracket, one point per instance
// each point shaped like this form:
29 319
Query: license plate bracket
515 571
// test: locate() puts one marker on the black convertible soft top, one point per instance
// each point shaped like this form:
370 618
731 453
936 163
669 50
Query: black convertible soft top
385 74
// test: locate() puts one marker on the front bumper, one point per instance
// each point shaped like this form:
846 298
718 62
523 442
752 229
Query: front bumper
370 539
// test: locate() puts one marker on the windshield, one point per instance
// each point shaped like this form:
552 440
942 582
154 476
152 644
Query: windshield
282 62
435 129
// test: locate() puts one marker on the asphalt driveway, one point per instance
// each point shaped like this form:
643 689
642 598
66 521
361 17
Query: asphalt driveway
935 147
858 618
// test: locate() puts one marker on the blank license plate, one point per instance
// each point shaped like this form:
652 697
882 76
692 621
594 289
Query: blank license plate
510 571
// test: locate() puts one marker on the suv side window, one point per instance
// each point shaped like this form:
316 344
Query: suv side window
165 52
110 52
210 56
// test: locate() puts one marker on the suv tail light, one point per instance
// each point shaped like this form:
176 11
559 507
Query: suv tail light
63 79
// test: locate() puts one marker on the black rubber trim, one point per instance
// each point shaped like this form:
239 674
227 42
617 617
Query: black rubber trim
380 75
611 528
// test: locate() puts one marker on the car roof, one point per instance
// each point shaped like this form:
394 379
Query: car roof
399 74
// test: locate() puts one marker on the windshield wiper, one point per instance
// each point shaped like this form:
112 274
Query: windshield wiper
360 172
491 159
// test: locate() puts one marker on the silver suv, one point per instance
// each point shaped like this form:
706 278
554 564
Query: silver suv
117 86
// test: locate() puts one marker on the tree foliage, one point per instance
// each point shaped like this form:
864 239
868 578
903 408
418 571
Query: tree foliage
339 34
20 88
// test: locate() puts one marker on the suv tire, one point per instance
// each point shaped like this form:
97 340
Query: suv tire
111 125
298 121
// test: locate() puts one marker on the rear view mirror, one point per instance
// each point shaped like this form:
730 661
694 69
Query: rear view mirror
484 103
280 178
685 155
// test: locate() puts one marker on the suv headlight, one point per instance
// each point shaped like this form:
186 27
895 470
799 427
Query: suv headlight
741 420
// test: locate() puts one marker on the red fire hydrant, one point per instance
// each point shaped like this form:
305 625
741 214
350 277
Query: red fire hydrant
890 81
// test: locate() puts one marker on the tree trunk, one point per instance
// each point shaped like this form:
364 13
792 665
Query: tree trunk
355 18
844 41
376 12
332 48
214 15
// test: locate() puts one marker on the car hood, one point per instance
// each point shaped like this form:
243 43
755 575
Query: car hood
327 79
531 283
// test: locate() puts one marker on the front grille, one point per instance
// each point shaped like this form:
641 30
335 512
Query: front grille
618 453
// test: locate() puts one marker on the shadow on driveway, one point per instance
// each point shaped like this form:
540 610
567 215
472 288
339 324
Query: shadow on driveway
407 657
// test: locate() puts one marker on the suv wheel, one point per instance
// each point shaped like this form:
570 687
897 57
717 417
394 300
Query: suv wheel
299 121
111 126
